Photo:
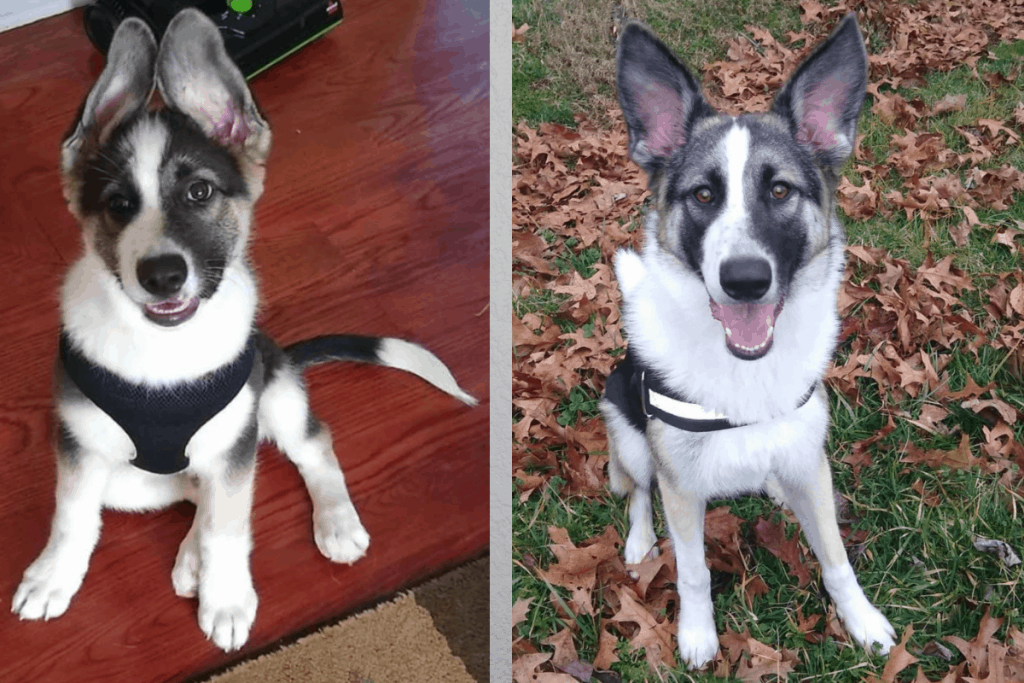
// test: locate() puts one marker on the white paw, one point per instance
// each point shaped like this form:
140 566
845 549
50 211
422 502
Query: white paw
640 545
868 627
46 589
862 620
339 534
185 575
225 619
698 641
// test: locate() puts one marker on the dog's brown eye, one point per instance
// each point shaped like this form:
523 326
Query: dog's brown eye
200 191
119 205
780 190
703 195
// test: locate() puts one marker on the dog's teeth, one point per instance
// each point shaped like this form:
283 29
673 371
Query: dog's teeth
728 332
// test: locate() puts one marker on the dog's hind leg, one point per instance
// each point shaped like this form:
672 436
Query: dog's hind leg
285 417
811 499
56 575
630 473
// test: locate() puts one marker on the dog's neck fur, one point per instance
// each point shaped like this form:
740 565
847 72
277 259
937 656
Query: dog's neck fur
111 330
673 328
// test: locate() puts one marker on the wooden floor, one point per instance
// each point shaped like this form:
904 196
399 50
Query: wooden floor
374 221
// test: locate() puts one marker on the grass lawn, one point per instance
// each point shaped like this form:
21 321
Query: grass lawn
912 517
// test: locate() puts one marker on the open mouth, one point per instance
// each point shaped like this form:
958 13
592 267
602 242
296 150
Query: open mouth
749 328
172 312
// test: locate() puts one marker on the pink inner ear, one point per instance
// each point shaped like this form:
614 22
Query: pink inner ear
662 113
230 128
108 111
822 110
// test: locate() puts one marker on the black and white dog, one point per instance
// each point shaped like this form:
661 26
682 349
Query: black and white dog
164 387
731 313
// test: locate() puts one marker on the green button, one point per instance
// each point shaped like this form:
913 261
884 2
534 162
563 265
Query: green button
240 6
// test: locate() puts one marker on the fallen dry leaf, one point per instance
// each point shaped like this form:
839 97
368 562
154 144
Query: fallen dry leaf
565 651
948 103
656 638
520 610
773 537
1000 549
899 659
524 668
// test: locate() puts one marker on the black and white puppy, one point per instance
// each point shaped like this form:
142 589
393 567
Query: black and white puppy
164 387
731 313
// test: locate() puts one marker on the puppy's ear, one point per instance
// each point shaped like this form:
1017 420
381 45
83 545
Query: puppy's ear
123 89
195 75
659 97
822 100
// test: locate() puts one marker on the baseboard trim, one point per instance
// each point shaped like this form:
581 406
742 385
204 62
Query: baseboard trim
15 14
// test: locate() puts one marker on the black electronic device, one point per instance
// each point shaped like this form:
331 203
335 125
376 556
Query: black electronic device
257 33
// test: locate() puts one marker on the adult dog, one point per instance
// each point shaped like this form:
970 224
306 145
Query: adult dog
731 314
164 386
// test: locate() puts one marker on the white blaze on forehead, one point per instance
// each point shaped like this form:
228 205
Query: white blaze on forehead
731 227
147 142
143 236
735 148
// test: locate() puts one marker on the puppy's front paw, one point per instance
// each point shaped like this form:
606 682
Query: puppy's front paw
339 534
698 641
46 589
225 619
868 627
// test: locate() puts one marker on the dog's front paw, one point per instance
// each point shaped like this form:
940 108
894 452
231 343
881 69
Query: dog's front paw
640 545
865 624
698 641
46 589
868 627
225 619
339 534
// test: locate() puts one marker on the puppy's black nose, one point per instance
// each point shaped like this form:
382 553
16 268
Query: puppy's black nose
745 278
162 275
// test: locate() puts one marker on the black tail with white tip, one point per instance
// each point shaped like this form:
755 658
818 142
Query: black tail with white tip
386 351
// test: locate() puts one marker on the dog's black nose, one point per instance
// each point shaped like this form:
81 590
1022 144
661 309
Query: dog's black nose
745 278
162 275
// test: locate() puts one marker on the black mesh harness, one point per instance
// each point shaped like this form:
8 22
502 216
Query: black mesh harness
159 421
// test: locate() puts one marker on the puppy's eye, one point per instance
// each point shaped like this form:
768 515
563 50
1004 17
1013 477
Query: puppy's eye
780 190
703 195
200 191
120 205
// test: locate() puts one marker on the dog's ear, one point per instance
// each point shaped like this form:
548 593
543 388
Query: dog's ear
196 76
660 98
822 100
123 89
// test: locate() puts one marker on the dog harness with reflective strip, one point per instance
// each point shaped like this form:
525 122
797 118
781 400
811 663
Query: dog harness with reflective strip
159 421
640 395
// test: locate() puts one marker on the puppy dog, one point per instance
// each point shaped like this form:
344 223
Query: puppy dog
731 313
164 387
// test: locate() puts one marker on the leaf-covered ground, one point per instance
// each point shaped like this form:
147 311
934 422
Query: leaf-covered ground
927 392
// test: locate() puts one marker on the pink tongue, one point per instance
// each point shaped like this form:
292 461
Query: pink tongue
168 307
747 326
